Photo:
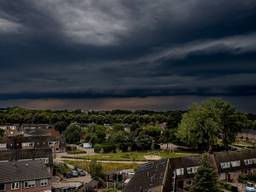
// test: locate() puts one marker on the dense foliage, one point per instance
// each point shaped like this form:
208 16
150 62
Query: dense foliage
205 179
96 171
209 123
213 122
20 116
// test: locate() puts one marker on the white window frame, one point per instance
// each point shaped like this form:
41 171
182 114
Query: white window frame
192 170
28 144
15 185
235 163
30 184
44 182
250 161
180 171
3 145
225 165
45 160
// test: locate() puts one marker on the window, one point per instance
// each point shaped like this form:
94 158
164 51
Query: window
52 143
180 171
2 187
28 144
3 145
44 182
15 185
235 163
28 184
249 161
45 160
225 165
191 170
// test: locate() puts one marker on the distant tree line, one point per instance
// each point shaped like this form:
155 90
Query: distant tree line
204 126
20 116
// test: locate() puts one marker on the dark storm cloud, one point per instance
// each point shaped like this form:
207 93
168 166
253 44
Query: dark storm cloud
118 48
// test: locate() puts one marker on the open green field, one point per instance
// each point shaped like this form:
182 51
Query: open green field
106 166
134 156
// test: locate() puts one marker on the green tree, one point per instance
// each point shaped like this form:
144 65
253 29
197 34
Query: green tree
121 140
205 179
94 134
61 126
96 171
73 133
205 123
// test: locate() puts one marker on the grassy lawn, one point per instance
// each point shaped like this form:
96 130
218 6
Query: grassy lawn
77 151
244 144
134 156
106 166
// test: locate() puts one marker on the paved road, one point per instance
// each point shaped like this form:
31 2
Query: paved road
61 159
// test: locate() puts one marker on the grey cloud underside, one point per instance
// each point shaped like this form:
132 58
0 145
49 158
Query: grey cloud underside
119 48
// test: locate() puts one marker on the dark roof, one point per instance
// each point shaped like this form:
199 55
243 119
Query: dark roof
183 162
40 139
234 156
23 171
12 155
41 132
148 176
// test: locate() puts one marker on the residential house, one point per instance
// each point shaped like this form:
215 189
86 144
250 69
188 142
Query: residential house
24 176
27 155
57 144
150 177
176 174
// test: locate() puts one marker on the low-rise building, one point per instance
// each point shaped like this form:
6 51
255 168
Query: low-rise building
176 174
27 155
57 144
25 176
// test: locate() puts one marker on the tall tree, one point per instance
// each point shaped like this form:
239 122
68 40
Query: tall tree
204 124
73 133
205 179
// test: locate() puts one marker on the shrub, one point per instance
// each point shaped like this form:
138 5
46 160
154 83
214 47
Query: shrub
106 148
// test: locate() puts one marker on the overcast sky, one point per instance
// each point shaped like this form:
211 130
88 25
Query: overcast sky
128 54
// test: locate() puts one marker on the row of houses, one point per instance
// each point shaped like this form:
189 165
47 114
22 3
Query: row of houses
57 144
25 176
176 174
26 158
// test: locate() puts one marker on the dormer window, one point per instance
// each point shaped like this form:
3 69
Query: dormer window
225 165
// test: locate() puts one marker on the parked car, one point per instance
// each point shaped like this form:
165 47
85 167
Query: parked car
250 187
81 172
68 175
74 173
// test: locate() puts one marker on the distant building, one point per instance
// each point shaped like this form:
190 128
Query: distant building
87 145
176 174
57 144
29 176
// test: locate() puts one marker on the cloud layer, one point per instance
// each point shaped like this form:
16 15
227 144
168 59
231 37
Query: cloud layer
65 49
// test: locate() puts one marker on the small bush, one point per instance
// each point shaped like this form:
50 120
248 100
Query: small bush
105 148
